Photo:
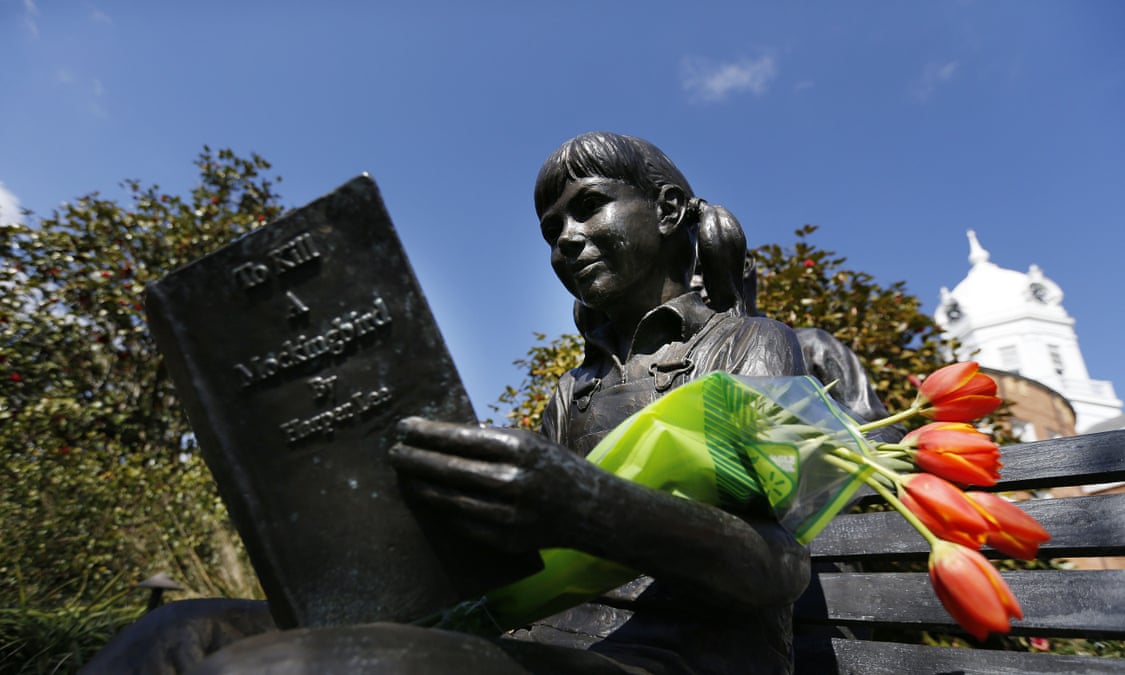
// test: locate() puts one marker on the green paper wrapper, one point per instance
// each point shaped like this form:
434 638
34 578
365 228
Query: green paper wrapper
744 444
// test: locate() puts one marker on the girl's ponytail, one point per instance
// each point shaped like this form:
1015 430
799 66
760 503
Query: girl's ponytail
722 259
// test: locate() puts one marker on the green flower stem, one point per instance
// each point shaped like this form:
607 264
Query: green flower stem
906 513
861 472
849 466
893 454
893 451
856 458
850 461
893 419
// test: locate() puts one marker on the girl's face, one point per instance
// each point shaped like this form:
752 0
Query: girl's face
605 243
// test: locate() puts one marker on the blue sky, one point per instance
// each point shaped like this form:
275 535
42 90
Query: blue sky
895 127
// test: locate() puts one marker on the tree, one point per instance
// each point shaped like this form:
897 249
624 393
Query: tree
801 285
100 481
806 286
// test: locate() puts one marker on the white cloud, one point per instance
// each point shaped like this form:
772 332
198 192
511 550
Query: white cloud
933 76
30 12
97 105
92 91
711 81
9 207
98 16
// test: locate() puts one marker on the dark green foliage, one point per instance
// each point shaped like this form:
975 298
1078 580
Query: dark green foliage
544 365
806 286
99 481
63 638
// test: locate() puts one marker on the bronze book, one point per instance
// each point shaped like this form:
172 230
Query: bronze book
295 350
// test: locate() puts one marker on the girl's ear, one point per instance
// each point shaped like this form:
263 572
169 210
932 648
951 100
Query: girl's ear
672 206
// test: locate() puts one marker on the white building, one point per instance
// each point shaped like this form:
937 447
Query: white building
1015 322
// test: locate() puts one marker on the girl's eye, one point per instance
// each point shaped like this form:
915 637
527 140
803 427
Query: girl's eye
551 228
587 205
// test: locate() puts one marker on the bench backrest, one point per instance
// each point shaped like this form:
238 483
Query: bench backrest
848 600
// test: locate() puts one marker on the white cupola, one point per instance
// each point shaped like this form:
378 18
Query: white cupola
1015 321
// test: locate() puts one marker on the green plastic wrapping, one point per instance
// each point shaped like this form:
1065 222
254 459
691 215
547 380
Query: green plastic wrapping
744 444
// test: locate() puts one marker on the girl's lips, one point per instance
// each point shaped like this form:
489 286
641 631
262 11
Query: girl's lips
584 268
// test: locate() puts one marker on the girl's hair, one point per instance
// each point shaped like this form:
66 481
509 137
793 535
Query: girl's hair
601 154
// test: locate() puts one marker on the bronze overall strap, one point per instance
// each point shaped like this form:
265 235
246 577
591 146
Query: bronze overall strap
677 366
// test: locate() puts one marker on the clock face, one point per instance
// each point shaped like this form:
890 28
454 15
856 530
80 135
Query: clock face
1039 292
953 311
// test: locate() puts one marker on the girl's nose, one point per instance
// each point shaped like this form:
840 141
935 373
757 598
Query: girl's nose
571 239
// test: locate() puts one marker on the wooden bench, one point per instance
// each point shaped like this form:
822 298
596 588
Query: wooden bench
843 605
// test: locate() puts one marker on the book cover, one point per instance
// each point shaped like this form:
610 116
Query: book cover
295 350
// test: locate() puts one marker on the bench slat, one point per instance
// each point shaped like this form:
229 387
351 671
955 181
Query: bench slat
1074 460
887 658
1079 526
1070 603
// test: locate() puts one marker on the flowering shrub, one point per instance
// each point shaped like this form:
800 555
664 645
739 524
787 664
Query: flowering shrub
100 480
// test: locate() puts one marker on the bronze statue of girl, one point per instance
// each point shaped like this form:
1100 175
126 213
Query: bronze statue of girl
623 228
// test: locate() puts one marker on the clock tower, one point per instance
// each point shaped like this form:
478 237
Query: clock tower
1014 322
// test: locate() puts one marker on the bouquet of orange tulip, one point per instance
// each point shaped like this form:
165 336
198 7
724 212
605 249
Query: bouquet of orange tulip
950 452
781 444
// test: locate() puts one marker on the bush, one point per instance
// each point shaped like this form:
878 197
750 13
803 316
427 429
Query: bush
100 480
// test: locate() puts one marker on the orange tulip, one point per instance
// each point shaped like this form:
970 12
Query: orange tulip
1016 533
955 451
958 393
944 509
971 590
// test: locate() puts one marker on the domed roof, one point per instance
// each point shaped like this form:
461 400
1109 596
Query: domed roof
990 291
